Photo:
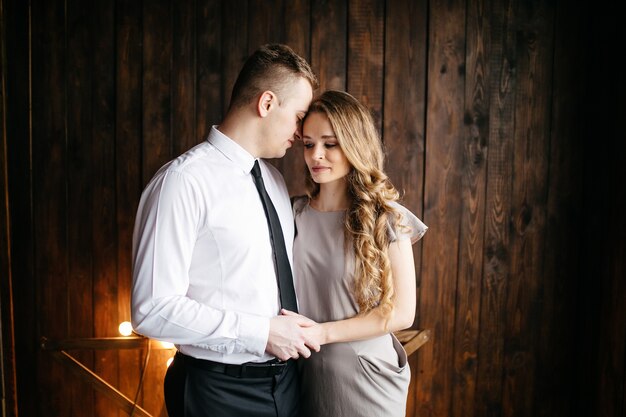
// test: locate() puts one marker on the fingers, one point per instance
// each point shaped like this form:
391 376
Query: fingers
302 321
303 351
287 338
293 352
313 345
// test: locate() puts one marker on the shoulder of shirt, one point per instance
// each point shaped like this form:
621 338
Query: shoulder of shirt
196 155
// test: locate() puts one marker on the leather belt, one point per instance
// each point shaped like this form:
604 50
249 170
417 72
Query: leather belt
245 370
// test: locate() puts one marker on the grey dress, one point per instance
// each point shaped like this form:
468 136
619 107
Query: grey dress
367 378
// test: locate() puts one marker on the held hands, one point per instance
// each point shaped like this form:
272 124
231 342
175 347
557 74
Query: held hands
314 332
288 337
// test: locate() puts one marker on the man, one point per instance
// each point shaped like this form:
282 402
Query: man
204 270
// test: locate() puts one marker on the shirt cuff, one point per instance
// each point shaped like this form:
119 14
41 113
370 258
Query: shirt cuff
254 330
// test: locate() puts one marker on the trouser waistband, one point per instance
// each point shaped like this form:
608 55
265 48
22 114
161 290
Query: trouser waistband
245 370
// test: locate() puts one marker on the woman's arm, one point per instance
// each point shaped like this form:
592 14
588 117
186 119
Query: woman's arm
374 323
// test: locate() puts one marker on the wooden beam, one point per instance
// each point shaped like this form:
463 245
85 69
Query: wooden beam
412 339
127 342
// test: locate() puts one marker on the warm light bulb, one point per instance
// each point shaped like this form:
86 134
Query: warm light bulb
167 345
169 361
126 329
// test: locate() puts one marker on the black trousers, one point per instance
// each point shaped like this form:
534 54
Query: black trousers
194 392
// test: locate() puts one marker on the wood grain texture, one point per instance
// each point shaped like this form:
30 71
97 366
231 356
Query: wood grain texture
156 89
79 185
184 33
404 124
156 138
106 293
329 39
128 162
234 45
496 261
266 23
529 202
7 344
49 171
555 384
474 179
209 55
297 29
365 54
16 40
442 204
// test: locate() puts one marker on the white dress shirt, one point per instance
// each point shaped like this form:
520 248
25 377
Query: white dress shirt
203 269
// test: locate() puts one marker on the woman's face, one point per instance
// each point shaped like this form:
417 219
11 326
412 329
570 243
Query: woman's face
323 155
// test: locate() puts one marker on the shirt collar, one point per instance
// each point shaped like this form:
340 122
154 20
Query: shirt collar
231 150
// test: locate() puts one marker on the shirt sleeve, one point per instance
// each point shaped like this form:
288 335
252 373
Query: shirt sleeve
409 226
166 230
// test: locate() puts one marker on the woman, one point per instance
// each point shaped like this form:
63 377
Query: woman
353 263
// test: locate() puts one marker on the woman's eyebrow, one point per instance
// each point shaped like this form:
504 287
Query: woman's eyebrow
323 137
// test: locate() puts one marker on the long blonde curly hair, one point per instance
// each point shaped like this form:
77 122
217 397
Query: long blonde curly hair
370 213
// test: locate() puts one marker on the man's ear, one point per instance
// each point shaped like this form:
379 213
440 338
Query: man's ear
266 102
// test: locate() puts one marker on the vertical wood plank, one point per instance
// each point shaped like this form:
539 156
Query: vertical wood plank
265 23
157 100
234 45
297 27
157 141
329 43
365 54
496 262
529 201
555 384
474 180
104 224
208 67
79 191
297 30
49 155
184 76
7 344
442 203
405 100
16 40
128 162
404 116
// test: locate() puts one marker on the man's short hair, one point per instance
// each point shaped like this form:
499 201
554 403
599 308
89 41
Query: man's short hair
274 67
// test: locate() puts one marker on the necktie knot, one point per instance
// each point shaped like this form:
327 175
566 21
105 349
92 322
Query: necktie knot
256 170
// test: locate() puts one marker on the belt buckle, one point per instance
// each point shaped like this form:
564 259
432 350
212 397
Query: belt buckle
276 368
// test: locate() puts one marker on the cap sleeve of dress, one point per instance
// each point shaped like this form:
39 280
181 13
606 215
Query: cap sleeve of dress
298 203
409 226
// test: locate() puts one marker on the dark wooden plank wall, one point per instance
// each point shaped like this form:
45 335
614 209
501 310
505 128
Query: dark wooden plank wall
500 121
8 394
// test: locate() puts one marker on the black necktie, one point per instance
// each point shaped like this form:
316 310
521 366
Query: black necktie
281 261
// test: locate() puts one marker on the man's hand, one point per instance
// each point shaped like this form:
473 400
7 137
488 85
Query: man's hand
314 333
287 338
